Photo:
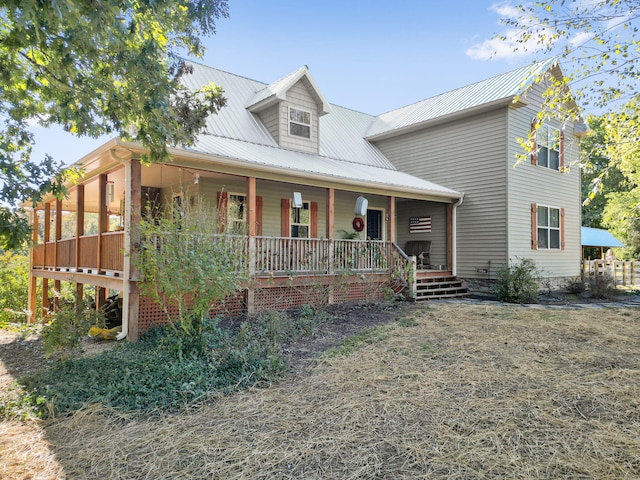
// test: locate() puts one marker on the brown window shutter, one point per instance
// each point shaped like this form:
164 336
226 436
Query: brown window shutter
561 150
534 226
258 216
562 229
223 201
534 140
285 217
313 217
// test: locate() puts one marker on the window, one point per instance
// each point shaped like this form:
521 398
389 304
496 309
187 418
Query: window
300 221
549 147
547 232
237 212
299 123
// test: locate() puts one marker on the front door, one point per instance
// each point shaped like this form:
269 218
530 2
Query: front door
374 225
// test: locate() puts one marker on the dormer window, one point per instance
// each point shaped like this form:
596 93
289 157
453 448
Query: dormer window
299 123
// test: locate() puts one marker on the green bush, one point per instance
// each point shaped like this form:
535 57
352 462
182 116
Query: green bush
518 282
14 285
68 325
158 373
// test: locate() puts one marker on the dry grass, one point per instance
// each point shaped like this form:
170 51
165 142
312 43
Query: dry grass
469 391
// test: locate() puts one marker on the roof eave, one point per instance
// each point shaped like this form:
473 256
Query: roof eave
269 172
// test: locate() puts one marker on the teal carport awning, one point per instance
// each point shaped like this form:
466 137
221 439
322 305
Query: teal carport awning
597 237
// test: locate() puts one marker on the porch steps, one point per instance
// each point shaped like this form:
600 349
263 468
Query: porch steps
433 287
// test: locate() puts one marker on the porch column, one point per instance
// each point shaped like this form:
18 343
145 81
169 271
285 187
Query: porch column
331 213
102 218
132 214
56 283
47 233
79 233
449 235
251 232
33 280
391 221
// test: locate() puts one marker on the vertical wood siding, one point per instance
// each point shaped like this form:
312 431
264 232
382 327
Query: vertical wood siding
468 155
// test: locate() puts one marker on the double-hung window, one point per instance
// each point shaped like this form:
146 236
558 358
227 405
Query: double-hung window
549 147
549 228
300 221
299 123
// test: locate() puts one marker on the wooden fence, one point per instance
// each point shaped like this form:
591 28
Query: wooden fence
623 272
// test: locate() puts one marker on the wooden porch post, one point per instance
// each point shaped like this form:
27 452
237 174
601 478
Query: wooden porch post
47 233
449 235
79 233
331 231
251 232
102 218
391 221
331 212
58 237
133 214
33 281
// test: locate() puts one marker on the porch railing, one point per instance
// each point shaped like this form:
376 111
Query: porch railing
266 255
62 254
318 255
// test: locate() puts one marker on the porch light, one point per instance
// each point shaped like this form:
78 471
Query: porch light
297 200
361 206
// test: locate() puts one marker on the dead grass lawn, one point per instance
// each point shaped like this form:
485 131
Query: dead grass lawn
457 391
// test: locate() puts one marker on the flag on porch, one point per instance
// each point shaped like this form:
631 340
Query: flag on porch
419 224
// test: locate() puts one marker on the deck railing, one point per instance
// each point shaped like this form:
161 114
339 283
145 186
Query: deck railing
61 254
265 255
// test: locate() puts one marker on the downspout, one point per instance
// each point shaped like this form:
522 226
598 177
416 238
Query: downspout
127 244
454 236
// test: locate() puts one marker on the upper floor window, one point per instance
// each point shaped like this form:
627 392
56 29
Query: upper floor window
299 123
548 140
300 221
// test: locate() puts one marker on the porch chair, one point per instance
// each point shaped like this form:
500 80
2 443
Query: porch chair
421 249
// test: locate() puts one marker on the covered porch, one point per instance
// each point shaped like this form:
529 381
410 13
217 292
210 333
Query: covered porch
295 230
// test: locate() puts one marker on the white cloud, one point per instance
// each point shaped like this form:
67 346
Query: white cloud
580 38
511 45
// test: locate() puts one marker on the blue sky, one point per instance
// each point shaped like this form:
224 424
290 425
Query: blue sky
368 55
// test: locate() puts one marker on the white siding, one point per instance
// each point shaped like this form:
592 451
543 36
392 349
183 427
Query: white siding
533 184
468 155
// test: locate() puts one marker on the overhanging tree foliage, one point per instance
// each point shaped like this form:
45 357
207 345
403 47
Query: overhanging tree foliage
95 67
598 43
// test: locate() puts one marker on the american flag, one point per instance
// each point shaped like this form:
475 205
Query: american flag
419 224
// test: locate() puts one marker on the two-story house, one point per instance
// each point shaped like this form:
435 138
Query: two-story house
319 189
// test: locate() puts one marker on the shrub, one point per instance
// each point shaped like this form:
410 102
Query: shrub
575 286
601 286
518 282
68 325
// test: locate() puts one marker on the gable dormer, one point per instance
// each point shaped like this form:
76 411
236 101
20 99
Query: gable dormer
290 109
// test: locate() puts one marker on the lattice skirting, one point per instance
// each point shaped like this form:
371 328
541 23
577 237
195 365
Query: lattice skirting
277 297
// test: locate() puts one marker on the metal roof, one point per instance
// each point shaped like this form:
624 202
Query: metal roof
501 87
299 163
597 237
